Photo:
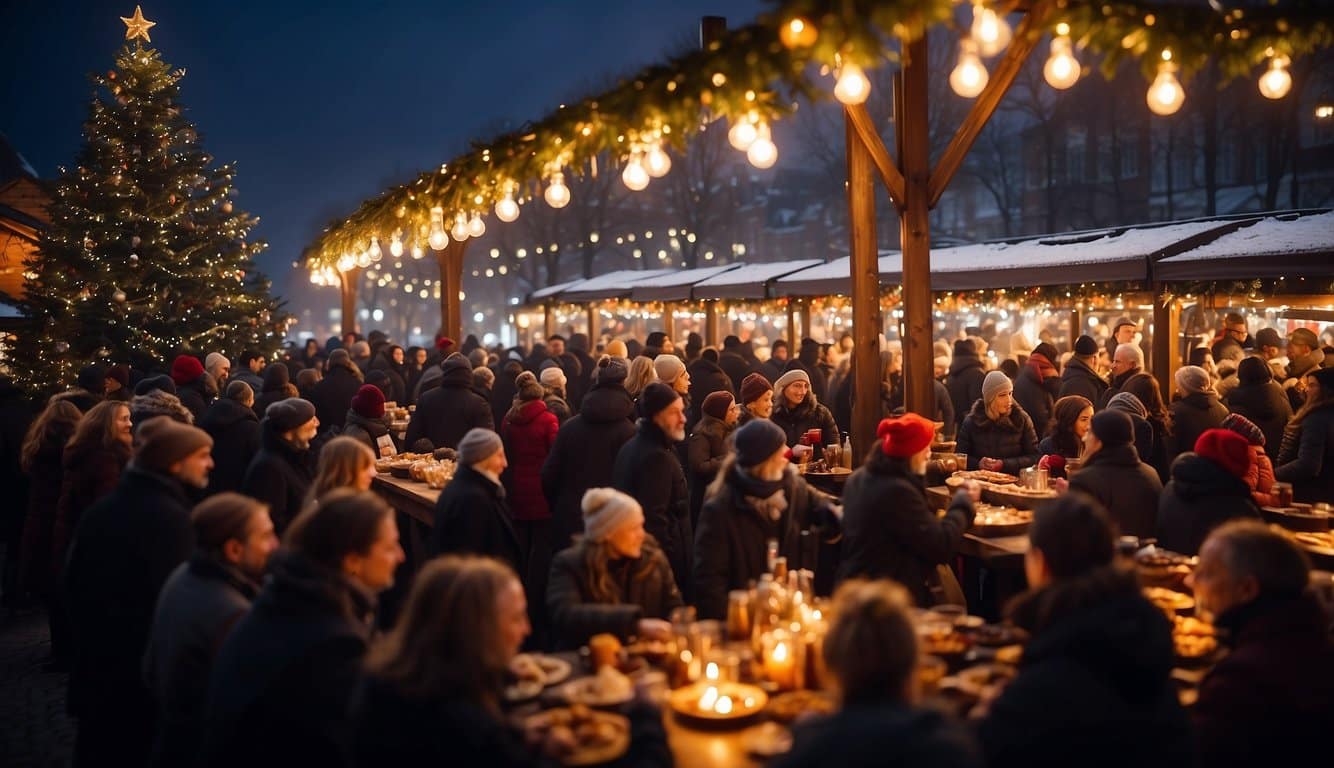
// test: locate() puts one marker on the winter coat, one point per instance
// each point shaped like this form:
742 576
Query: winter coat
1306 458
1011 439
1115 385
445 414
738 367
367 430
1150 447
333 395
46 476
645 589
774 368
200 603
891 532
255 381
1077 378
731 545
706 377
277 386
1276 681
809 414
871 735
16 415
90 475
648 469
503 392
1035 390
397 373
195 396
235 432
1192 415
558 407
285 676
1126 486
1267 406
472 517
1095 681
279 475
530 433
584 456
705 450
124 549
1200 497
964 383
1260 478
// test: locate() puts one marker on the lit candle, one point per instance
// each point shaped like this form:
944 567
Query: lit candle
779 666
710 699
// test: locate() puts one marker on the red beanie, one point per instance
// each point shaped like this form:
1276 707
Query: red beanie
185 369
906 435
1227 449
444 343
368 402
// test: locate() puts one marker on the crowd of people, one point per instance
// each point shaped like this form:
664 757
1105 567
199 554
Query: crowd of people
600 486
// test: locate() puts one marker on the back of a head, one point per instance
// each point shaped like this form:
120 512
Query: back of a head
871 647
1074 535
345 522
239 391
1251 549
1131 351
220 518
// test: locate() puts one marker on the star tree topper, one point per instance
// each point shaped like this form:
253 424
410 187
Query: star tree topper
137 25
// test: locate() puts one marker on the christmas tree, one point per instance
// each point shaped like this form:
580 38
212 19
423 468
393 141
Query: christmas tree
146 256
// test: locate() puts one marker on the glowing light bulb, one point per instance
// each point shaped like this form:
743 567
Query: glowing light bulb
969 76
990 30
438 239
396 245
852 86
375 252
345 262
1276 82
762 152
798 33
1166 95
657 162
557 194
460 229
506 209
476 227
417 252
1062 68
364 259
742 134
634 175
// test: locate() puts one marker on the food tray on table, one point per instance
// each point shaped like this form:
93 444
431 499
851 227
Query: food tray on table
533 672
1016 496
1195 641
1170 600
1162 568
578 735
1297 518
983 476
787 707
714 702
608 688
992 521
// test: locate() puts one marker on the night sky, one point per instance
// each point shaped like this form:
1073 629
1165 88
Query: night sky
323 104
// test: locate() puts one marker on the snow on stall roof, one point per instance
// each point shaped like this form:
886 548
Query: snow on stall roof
613 285
675 285
552 290
1272 236
748 281
836 276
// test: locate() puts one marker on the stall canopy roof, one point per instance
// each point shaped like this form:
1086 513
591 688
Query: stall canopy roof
835 277
1290 245
675 286
613 285
749 281
552 290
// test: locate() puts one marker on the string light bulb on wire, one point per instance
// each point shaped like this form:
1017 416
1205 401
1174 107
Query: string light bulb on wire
417 252
798 33
375 252
438 239
742 133
460 229
1276 81
762 152
656 161
634 174
1166 95
476 227
396 244
990 30
506 209
852 86
969 76
364 259
1062 68
557 194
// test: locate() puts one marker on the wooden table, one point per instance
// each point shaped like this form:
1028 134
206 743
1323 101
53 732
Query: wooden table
408 496
414 512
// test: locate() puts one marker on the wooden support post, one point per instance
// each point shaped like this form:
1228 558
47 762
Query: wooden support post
865 295
792 326
1166 341
711 323
914 151
548 321
347 288
593 331
1076 326
450 261
669 320
805 321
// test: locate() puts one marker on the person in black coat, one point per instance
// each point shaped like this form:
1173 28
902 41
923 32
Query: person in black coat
889 529
964 380
1113 474
584 455
1080 375
366 419
579 348
1097 669
1038 385
706 377
277 386
1278 676
734 363
283 680
123 550
808 360
707 446
614 579
1306 458
187 373
756 498
871 649
997 434
391 361
341 381
280 474
200 603
1208 488
1259 398
1147 442
1196 411
777 362
503 389
446 413
797 410
648 469
471 515
232 424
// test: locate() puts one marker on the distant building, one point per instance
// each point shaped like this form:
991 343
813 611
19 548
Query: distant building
23 202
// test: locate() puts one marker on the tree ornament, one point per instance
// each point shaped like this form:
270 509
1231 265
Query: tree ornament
62 347
137 26
119 296
134 241
227 206
134 259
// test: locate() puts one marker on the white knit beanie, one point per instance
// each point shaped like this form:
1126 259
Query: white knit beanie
796 374
994 384
553 377
668 367
605 510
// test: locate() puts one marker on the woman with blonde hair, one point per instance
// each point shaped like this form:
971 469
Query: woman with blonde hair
345 462
642 374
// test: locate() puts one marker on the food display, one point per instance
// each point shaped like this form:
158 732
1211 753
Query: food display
994 520
400 465
436 474
1325 540
821 467
578 735
997 635
1159 567
986 476
533 672
1195 640
715 701
1170 600
943 640
786 707
608 688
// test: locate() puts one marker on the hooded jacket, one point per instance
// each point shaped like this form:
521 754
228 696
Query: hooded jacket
530 433
964 382
194 395
445 414
235 432
648 468
1306 458
706 377
1200 497
1077 378
366 429
584 456
705 450
279 475
1126 486
1011 439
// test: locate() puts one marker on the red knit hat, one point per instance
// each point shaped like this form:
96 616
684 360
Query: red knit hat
1225 448
368 402
185 369
905 435
444 344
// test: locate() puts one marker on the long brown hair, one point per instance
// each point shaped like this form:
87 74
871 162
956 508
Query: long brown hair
341 460
58 422
1062 429
1326 397
596 554
447 642
97 431
871 647
1142 386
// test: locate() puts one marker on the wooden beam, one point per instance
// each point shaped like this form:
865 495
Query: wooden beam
866 322
792 327
450 262
711 323
347 289
548 321
805 319
1025 39
861 121
593 331
1166 349
669 320
914 150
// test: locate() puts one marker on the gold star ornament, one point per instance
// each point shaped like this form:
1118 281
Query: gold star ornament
137 25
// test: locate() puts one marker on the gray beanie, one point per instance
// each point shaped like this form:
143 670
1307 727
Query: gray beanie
1193 379
796 374
479 444
1128 403
994 384
605 510
668 367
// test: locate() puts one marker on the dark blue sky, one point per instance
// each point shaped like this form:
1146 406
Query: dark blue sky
323 104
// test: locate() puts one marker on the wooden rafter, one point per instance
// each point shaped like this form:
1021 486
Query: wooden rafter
884 164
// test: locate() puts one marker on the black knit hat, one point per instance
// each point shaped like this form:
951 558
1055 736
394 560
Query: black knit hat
162 382
965 347
610 370
1085 346
1113 428
284 415
655 398
1253 370
655 339
756 441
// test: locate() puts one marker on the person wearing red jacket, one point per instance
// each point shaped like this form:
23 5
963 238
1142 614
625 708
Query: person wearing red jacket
529 431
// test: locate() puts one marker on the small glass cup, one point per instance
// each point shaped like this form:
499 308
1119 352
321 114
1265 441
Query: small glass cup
738 614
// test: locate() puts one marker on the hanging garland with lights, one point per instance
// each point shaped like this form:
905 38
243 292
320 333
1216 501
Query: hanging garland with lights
751 76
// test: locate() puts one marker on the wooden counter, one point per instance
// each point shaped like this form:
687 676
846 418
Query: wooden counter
415 499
